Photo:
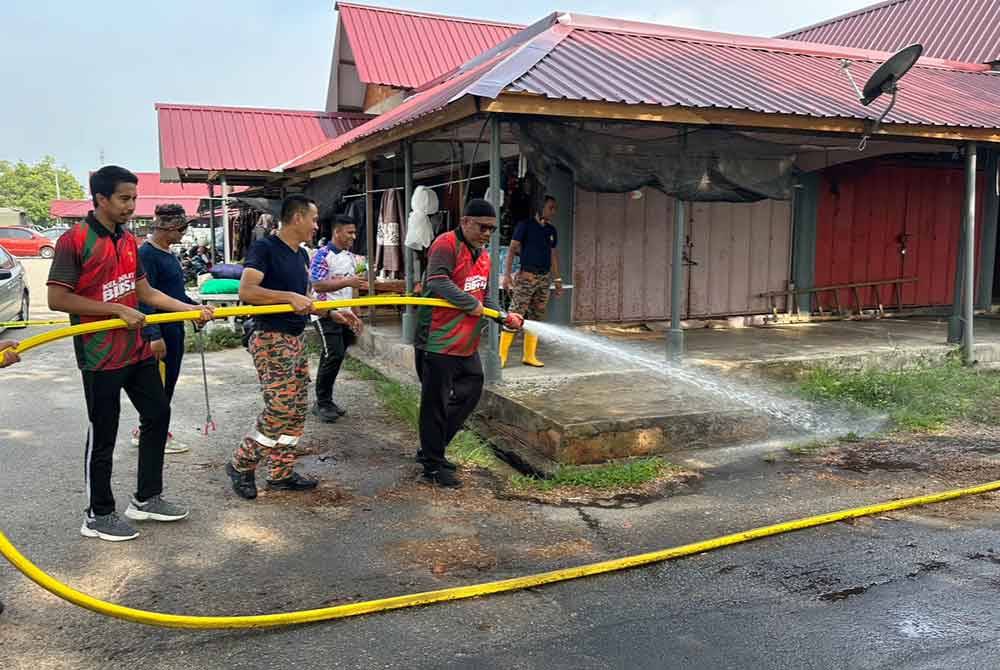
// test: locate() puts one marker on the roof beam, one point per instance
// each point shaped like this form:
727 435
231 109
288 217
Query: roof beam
456 111
520 103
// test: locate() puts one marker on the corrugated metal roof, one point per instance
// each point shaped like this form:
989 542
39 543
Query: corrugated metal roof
407 49
151 193
415 107
962 30
770 76
195 137
145 206
603 60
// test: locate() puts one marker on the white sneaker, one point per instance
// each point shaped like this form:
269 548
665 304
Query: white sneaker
172 447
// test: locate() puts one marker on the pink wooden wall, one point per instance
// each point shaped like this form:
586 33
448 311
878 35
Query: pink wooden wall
622 256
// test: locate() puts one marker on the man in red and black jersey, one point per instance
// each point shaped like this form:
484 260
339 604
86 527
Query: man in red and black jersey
447 340
97 274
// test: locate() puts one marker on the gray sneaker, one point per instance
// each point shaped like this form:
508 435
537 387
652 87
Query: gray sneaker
110 527
155 509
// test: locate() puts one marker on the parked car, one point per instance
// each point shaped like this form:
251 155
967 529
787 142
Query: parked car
55 232
26 242
14 298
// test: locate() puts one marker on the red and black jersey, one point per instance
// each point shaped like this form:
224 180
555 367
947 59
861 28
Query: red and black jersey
95 263
449 331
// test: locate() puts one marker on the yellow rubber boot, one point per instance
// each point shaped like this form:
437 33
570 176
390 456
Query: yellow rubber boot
530 349
506 339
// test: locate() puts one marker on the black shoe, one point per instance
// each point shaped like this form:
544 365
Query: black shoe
1 607
444 478
338 409
446 464
294 483
326 413
244 483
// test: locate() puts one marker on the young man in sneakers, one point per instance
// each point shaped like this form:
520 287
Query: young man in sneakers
276 272
97 274
333 274
447 342
164 273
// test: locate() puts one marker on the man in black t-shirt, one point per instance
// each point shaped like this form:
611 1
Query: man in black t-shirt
276 272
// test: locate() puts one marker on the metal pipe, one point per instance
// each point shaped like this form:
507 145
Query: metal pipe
409 314
991 214
970 253
211 218
492 369
227 250
370 235
676 337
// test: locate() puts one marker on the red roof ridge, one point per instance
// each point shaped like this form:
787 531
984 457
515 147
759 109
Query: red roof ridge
843 17
428 15
262 110
601 24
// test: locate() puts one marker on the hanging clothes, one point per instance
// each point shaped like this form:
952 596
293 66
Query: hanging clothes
388 240
356 210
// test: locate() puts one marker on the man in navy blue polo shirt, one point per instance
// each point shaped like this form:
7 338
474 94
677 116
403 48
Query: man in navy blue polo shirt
535 241
276 272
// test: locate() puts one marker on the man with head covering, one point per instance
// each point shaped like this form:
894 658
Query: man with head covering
164 273
447 341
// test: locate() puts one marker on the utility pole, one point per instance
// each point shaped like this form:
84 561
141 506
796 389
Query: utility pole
58 194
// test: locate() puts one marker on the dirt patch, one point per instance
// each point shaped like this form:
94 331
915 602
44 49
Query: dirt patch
959 453
321 496
447 555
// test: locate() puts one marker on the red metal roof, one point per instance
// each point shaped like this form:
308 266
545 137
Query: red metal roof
961 30
145 206
587 58
196 137
151 192
407 49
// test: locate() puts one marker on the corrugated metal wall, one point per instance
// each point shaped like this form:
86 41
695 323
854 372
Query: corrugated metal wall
621 256
869 212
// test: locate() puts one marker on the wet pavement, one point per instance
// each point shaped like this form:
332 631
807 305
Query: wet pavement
909 590
912 589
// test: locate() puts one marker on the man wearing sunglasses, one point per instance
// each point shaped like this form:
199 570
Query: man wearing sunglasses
447 341
164 273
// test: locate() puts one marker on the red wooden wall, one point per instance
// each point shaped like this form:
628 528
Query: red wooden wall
867 210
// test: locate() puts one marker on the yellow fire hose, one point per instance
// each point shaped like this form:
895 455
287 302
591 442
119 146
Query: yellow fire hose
81 599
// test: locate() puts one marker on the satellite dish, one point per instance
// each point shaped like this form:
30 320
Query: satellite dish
885 79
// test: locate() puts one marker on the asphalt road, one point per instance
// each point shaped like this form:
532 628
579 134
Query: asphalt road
911 590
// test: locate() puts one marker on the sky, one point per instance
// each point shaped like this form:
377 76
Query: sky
80 78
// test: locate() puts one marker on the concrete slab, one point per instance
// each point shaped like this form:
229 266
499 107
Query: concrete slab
586 406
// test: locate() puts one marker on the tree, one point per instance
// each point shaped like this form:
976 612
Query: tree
33 187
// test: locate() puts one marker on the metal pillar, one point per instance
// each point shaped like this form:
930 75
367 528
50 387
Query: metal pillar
370 234
409 315
492 369
227 249
675 341
211 218
991 214
968 336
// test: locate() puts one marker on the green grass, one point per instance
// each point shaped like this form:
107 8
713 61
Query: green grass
403 400
216 339
924 398
626 474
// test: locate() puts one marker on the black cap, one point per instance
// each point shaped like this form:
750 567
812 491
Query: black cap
479 207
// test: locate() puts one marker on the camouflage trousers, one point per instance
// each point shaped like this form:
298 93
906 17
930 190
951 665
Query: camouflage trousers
283 371
530 295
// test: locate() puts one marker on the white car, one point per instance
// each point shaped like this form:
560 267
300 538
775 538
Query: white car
14 298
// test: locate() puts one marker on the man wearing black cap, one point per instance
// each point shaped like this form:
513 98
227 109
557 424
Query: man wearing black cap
447 341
